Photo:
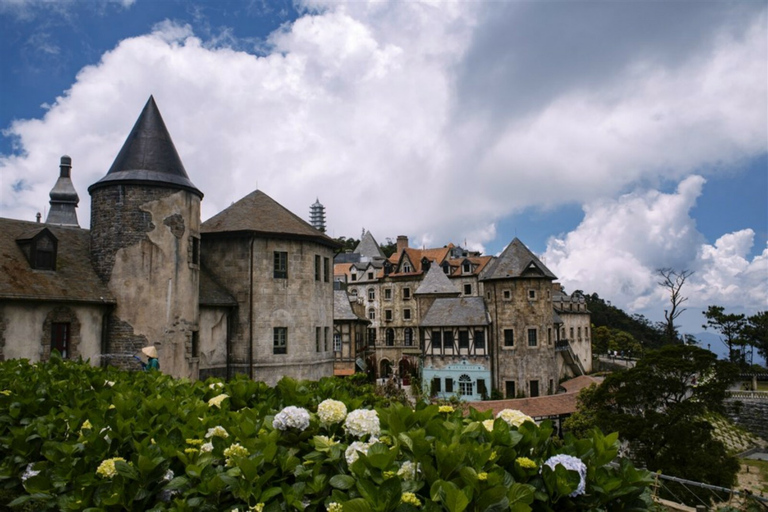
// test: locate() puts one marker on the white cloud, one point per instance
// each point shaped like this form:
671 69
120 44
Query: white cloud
360 105
620 244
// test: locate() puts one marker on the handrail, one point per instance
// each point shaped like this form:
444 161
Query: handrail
759 395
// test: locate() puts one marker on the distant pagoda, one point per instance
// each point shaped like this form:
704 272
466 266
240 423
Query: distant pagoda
317 216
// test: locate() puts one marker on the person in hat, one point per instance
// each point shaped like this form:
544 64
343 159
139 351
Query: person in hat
152 362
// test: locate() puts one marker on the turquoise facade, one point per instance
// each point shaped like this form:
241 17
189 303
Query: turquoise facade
465 380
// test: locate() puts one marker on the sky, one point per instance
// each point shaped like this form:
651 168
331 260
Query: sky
613 138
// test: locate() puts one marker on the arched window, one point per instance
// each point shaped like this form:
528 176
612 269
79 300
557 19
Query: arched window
354 292
371 294
465 385
408 337
371 314
390 337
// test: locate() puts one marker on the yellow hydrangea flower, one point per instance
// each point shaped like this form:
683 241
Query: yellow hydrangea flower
195 442
446 408
410 499
107 467
335 507
525 462
190 450
257 507
482 476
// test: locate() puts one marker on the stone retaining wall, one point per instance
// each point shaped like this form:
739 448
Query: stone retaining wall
751 414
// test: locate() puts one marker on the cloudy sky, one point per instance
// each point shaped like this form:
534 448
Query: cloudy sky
612 137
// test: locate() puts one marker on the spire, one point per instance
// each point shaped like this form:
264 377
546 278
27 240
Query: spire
148 156
317 216
64 198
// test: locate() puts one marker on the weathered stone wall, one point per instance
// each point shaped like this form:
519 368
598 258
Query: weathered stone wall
28 329
579 323
298 303
213 340
751 414
141 243
517 311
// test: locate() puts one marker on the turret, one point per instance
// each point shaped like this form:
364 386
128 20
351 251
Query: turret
64 198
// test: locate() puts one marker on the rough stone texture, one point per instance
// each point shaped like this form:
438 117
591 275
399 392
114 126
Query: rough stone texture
522 363
277 302
3 323
214 326
149 270
123 341
751 414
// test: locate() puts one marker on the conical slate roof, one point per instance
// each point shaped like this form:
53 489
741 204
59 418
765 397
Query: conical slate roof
148 156
368 247
259 214
436 282
514 261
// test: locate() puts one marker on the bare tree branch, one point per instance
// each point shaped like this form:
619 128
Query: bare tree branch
673 281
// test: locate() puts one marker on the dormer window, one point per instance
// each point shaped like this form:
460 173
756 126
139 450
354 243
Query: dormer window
446 268
466 268
40 249
406 267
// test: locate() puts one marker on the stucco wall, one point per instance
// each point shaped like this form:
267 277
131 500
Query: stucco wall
24 329
213 340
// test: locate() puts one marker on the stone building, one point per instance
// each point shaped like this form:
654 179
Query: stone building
469 324
246 291
573 325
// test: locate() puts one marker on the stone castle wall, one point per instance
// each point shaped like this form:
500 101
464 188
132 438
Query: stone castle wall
750 414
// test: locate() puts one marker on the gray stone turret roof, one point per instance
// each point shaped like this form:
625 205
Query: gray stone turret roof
64 198
516 261
260 215
369 248
436 282
456 312
148 156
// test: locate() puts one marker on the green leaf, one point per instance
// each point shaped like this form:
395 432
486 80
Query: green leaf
343 482
357 505
126 470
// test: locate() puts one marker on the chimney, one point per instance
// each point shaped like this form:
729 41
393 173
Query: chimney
64 198
402 243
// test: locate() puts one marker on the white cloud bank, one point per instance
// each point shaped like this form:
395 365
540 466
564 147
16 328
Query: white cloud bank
385 113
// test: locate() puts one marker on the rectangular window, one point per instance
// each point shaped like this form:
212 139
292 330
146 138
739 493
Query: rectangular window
549 335
195 250
326 335
448 385
371 294
326 269
467 289
353 276
317 267
280 340
464 340
337 341
406 314
372 336
437 340
388 315
551 388
387 293
436 385
406 293
370 276
532 340
479 340
195 344
466 268
534 388
317 339
481 390
507 295
60 338
571 333
509 389
578 330
281 265
531 294
371 314
509 338
448 340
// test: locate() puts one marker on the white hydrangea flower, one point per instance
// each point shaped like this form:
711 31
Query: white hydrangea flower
215 385
168 476
216 401
291 417
217 431
514 418
408 470
331 411
29 472
355 449
488 424
206 448
571 463
362 422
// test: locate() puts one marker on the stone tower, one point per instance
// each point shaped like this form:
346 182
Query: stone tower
64 198
317 216
145 245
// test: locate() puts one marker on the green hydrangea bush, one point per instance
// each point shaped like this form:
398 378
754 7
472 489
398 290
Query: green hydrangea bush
75 437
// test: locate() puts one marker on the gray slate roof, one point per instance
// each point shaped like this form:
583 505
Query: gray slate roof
436 282
260 215
342 309
456 312
368 247
148 156
513 262
74 278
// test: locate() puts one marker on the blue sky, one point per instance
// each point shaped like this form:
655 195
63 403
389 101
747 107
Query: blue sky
613 138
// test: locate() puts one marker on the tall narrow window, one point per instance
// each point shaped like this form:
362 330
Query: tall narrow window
509 338
532 339
337 341
534 388
326 335
326 269
281 265
436 385
195 342
372 337
463 340
195 250
387 293
448 385
317 267
44 253
481 390
390 337
371 294
465 385
509 389
60 338
408 337
317 339
467 289
280 340
406 314
448 340
479 340
406 293
388 315
437 341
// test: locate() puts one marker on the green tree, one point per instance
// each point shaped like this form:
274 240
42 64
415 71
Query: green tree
347 244
605 339
603 313
731 328
658 409
756 333
388 248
